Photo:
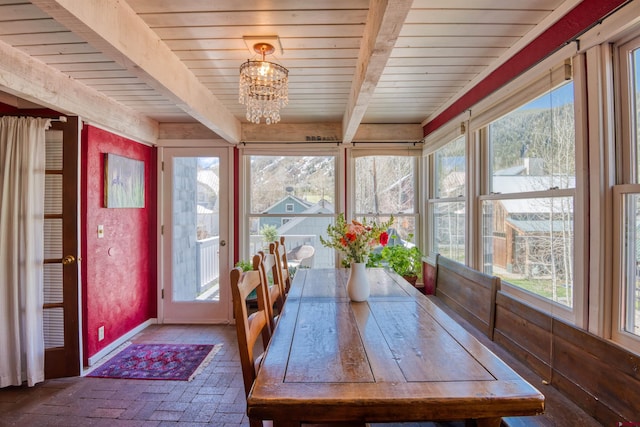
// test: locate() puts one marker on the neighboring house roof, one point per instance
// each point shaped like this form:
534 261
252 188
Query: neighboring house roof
454 183
523 206
537 226
322 206
522 183
512 171
291 197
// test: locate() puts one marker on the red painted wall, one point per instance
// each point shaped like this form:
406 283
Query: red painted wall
119 279
580 18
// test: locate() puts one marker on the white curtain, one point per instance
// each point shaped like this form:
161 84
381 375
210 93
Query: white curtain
22 167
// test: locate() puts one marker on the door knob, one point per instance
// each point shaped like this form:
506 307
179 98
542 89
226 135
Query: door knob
69 259
223 243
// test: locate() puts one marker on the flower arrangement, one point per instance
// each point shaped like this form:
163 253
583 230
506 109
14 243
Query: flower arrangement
355 239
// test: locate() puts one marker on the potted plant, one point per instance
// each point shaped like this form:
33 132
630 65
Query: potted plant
404 260
269 234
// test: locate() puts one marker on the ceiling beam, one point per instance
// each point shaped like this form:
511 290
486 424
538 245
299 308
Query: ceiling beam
384 22
116 30
30 79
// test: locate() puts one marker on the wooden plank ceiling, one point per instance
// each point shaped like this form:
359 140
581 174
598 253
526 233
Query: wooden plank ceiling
352 63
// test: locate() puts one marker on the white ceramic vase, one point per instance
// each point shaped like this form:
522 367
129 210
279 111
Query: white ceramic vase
358 283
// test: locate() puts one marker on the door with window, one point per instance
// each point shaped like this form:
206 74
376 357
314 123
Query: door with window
60 273
194 237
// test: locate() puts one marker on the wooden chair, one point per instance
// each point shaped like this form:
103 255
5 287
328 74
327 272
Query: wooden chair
275 296
250 327
281 267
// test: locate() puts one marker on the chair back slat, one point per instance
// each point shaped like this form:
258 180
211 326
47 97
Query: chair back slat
249 326
281 269
264 264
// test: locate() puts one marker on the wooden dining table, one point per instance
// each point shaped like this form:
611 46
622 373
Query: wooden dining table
396 357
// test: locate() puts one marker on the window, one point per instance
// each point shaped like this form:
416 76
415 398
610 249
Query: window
626 307
384 185
528 209
276 183
447 202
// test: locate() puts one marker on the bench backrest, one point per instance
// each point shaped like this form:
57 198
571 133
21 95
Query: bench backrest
600 377
468 292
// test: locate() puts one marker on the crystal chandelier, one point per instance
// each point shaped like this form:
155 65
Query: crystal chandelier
263 87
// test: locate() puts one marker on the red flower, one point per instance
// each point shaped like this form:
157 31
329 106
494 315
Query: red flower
343 242
384 238
351 236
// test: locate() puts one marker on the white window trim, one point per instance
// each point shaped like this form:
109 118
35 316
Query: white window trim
618 334
556 309
628 178
545 82
431 200
542 78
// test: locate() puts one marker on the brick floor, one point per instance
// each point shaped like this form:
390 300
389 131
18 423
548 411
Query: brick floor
215 397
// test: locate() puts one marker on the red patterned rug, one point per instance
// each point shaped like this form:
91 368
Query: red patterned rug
179 362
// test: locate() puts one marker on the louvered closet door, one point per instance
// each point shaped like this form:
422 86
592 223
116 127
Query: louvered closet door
61 325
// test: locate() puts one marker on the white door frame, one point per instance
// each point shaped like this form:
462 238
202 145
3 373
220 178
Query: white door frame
194 312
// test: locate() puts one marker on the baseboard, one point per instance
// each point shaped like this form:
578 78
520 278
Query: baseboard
117 343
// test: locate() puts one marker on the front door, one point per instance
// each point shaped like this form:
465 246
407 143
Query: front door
60 275
194 241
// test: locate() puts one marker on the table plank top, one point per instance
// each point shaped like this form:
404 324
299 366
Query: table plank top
394 357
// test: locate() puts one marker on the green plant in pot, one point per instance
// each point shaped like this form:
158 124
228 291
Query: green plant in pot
404 260
244 264
269 234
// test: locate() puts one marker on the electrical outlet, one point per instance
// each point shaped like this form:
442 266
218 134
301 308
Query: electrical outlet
100 333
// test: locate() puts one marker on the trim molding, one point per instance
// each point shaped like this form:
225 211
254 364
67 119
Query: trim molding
117 343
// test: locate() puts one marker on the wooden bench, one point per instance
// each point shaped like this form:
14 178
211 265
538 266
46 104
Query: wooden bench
468 292
600 377
586 380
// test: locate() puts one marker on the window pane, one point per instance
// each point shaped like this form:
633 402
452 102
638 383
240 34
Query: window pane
449 227
529 243
292 196
304 181
631 293
302 243
384 184
536 144
450 170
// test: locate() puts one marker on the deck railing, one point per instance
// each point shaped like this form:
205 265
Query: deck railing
207 262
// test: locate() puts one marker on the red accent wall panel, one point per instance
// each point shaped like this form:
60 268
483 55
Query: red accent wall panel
429 279
571 25
119 275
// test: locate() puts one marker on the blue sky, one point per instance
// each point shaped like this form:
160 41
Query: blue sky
561 95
